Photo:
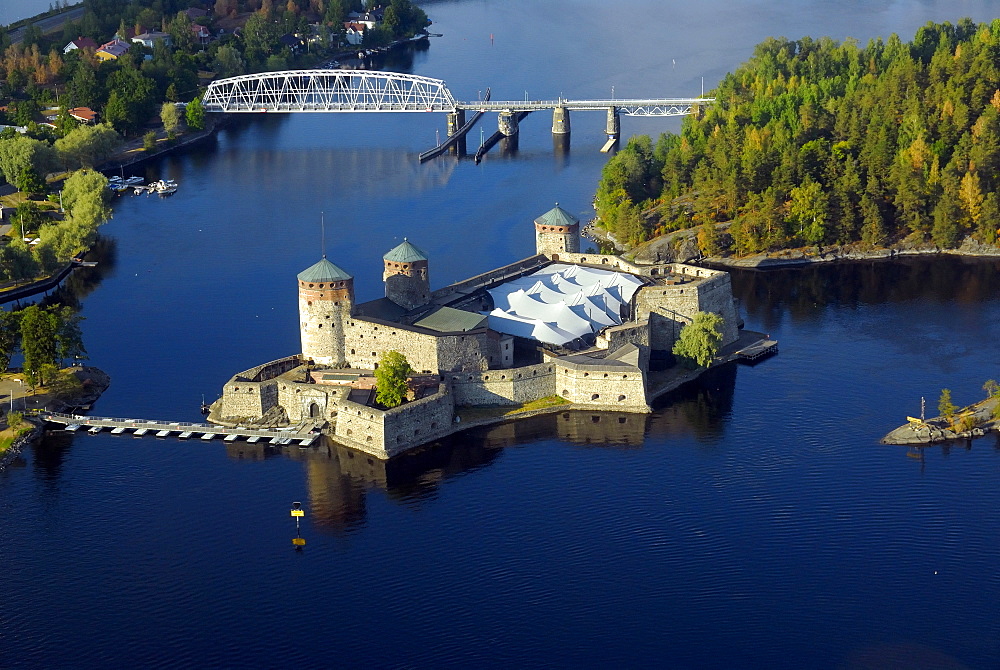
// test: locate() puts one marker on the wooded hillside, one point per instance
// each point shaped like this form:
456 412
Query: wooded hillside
817 142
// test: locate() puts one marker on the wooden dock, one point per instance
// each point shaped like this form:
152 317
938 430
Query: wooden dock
303 435
758 350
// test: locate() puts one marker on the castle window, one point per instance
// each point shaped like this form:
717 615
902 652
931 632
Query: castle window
309 302
321 295
502 377
328 316
368 439
433 425
621 398
622 419
374 354
320 325
371 462
416 431
595 418
310 285
350 432
586 374
624 376
605 375
336 304
564 393
596 396
486 378
321 286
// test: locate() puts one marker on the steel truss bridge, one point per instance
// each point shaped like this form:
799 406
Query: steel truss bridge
372 91
368 91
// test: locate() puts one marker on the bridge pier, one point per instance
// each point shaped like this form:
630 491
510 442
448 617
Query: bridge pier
507 123
560 121
614 125
456 120
613 129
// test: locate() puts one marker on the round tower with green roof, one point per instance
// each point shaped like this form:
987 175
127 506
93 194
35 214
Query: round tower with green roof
326 298
557 231
406 278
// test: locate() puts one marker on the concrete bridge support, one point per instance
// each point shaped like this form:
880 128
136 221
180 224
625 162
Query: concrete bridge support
614 125
560 121
456 120
507 123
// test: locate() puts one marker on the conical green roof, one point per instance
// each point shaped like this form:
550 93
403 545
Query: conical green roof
557 216
324 271
405 253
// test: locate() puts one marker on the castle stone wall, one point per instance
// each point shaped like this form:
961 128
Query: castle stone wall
243 399
298 398
426 351
515 386
504 273
602 386
387 433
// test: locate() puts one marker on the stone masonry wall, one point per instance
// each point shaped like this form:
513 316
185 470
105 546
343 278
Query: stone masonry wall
426 351
410 425
248 399
669 308
515 386
297 399
609 387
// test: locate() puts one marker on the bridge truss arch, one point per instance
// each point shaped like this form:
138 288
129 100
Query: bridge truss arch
328 91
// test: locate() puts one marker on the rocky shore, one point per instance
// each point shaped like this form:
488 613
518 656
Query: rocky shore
681 247
940 429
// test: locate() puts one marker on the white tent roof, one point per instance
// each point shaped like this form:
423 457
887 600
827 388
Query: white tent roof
561 302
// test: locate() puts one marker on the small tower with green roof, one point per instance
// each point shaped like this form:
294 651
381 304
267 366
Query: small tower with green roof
557 231
407 282
326 298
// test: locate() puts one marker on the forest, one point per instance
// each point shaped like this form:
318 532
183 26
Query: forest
815 142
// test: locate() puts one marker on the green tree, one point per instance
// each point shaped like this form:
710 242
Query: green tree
10 337
708 240
228 62
88 145
945 406
149 141
38 342
700 340
195 114
390 379
69 336
991 387
22 153
171 117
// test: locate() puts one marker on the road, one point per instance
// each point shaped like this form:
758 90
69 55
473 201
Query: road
50 24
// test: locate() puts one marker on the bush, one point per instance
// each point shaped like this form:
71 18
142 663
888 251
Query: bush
149 141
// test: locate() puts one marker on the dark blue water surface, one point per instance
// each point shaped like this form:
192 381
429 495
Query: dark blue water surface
752 521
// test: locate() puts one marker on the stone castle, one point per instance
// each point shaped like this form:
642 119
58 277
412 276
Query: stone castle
579 326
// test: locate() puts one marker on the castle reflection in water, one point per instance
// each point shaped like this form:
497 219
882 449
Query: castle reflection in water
338 479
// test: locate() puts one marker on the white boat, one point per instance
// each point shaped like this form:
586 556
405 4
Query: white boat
132 181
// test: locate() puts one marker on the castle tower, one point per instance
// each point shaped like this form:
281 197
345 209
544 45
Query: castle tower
406 279
557 231
326 298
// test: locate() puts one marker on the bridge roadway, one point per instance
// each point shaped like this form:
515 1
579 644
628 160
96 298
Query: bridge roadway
640 107
303 434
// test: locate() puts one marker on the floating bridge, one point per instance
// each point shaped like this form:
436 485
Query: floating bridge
371 91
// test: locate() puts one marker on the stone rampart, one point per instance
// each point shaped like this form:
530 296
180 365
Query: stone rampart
488 278
309 401
245 399
514 386
609 386
269 370
614 338
668 308
426 350
387 433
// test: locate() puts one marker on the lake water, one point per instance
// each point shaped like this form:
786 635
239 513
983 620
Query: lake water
751 521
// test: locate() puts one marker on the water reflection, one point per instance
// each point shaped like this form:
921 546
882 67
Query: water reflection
766 296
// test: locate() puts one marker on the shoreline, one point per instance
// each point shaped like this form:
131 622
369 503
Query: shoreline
938 429
650 251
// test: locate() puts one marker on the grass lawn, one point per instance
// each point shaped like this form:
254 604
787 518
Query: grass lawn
492 412
8 435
